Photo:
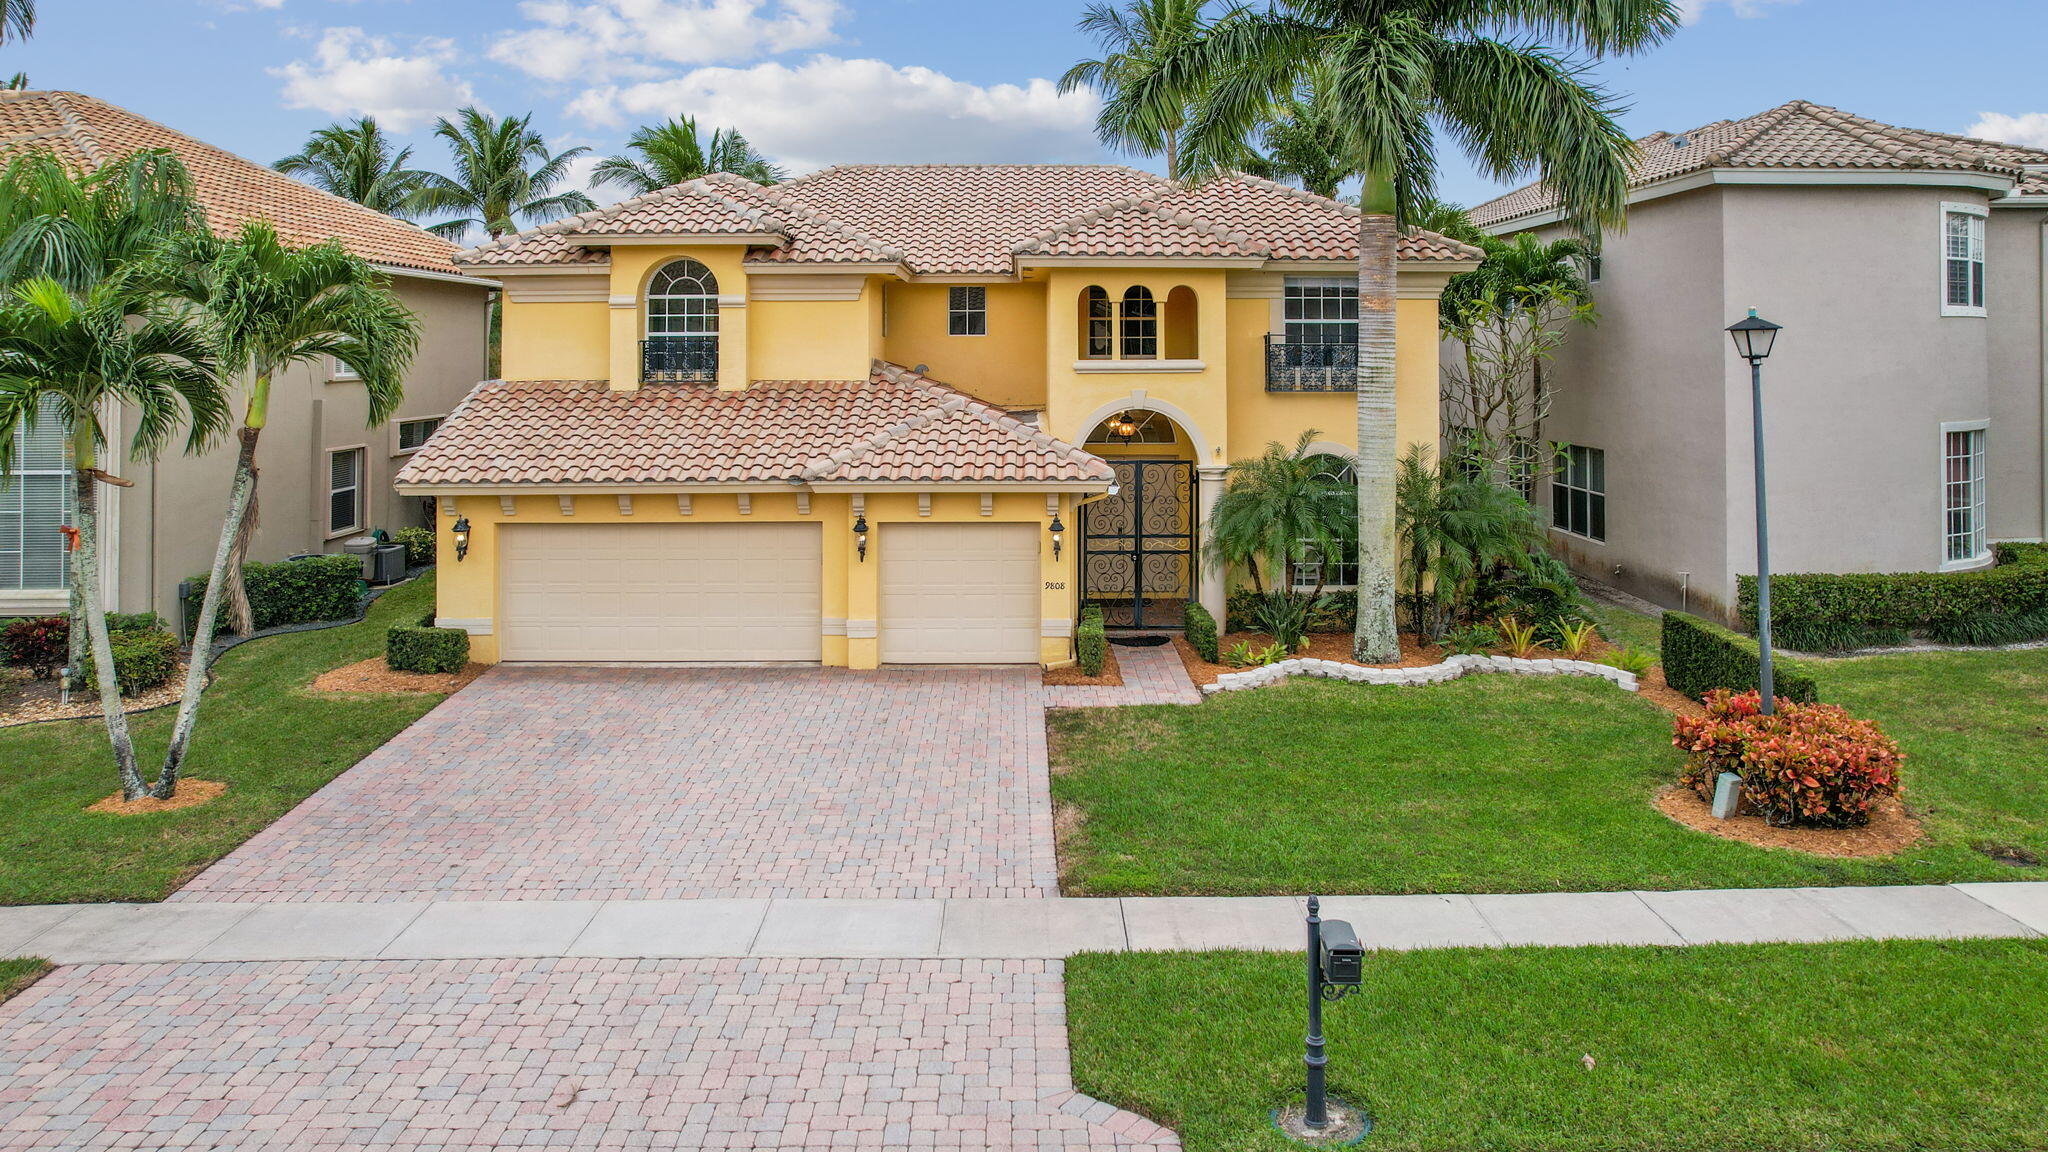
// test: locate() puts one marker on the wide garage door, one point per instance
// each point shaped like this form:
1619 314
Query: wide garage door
663 592
960 594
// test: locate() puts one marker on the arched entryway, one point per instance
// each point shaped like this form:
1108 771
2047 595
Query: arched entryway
1140 560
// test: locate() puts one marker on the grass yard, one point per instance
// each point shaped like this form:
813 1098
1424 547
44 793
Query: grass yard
261 732
1731 1048
1509 784
1625 626
18 974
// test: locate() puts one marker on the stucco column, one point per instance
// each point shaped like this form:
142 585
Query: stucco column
1212 592
732 343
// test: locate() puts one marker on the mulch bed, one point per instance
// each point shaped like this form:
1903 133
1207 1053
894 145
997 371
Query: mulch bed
1071 676
1891 830
373 675
190 794
27 700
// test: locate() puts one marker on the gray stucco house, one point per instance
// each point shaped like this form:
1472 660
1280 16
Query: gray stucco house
1904 400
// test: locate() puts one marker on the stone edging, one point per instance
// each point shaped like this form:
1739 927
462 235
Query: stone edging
1450 669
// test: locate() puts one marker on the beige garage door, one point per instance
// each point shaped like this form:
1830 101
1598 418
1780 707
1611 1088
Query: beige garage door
664 592
959 593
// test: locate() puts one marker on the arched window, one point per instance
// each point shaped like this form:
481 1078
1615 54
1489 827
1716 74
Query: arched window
682 324
1098 325
1140 335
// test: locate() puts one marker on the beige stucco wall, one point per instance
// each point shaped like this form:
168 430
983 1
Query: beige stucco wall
170 521
2015 270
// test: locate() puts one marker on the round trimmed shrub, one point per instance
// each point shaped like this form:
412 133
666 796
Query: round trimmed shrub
1806 764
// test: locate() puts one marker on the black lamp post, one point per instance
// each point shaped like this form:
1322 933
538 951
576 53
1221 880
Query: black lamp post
1753 339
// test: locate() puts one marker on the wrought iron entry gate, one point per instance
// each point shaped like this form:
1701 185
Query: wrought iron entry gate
1138 546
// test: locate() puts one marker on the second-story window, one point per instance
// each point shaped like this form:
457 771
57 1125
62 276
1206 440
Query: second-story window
682 324
967 311
1140 335
1098 317
1321 309
1962 260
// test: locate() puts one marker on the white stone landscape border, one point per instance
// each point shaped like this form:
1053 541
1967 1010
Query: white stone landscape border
1450 669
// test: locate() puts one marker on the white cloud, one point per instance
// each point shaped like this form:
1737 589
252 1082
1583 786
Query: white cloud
606 40
1690 11
829 110
2028 128
355 74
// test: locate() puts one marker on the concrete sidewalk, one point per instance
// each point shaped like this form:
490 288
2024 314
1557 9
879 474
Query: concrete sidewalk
995 928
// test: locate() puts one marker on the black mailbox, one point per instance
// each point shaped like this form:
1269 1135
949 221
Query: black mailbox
1343 956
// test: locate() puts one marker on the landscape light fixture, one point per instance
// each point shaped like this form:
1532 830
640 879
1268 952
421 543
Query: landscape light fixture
1059 529
1753 338
461 538
860 535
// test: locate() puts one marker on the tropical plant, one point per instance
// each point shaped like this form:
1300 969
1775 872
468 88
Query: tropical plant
1494 396
1812 764
74 357
1128 36
674 151
504 177
1303 141
1443 218
1280 508
1286 617
1244 654
1453 528
1575 639
355 160
1396 72
17 19
1472 639
266 307
1632 659
1520 638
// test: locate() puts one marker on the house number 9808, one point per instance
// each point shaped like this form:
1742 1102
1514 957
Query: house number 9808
1055 585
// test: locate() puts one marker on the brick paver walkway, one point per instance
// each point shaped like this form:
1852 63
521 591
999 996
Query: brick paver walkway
1151 676
591 1054
625 783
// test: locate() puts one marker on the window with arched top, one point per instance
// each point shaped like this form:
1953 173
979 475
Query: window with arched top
1139 334
1098 324
682 324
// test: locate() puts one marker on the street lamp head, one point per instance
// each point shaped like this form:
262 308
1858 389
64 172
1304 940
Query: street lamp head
1753 336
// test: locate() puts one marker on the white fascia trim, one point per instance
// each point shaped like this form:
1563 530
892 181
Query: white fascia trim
1121 366
1141 262
444 277
521 294
963 485
594 489
479 626
2018 201
676 239
965 278
1788 177
1055 629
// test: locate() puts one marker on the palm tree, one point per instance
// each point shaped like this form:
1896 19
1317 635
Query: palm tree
266 307
504 176
673 152
1454 526
1304 141
355 161
1524 271
17 20
71 357
1128 35
1279 508
1391 70
1443 218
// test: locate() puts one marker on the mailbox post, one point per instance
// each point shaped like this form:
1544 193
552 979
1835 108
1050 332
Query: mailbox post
1336 968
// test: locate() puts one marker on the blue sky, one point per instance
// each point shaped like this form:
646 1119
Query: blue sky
820 81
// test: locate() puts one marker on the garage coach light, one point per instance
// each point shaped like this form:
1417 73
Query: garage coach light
860 535
1058 530
461 538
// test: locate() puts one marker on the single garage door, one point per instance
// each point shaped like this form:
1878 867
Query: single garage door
959 593
662 592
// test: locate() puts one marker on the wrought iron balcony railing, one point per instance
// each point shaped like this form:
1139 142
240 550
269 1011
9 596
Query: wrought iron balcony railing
1297 366
679 360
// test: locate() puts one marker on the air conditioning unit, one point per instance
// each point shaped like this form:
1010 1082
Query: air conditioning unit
386 564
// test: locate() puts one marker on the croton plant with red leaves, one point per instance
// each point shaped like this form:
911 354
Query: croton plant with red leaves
1809 764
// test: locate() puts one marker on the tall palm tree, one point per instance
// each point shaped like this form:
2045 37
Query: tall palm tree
71 357
1303 141
1129 35
266 307
504 176
17 19
673 151
1392 69
355 161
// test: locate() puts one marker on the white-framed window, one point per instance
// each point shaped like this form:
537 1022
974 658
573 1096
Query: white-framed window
1963 542
1098 340
1337 575
1321 309
682 324
1578 492
967 310
1962 259
336 370
35 504
1140 335
344 491
413 433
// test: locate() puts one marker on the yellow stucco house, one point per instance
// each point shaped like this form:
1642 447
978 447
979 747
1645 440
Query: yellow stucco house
893 414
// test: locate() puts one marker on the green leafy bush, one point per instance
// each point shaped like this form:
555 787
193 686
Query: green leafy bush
299 591
425 648
135 622
1632 659
1809 764
1091 644
1472 640
1991 628
1336 612
1200 628
143 660
1243 655
2020 552
1829 636
1699 657
1989 601
40 644
1286 616
419 545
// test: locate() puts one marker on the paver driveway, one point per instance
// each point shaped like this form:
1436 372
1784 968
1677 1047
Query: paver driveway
570 783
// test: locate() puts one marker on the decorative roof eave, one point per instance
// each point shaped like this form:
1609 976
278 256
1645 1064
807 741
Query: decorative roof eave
961 485
678 239
589 488
817 267
1998 183
427 274
1027 261
582 267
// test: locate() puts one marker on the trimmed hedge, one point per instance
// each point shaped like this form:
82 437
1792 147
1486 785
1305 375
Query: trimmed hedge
143 660
1200 628
1091 644
419 545
1848 608
300 591
424 648
40 644
1700 657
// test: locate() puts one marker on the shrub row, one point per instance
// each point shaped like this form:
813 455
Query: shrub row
1200 628
143 660
1827 612
299 591
1700 657
42 644
419 545
1091 643
424 648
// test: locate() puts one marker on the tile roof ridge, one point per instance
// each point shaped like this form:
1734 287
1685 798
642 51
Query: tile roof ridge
572 224
76 127
1301 194
814 215
1758 124
1148 202
955 400
1957 148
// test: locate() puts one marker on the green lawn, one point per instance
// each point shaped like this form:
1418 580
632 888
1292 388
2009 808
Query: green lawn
272 741
1512 784
1774 1048
1625 626
18 974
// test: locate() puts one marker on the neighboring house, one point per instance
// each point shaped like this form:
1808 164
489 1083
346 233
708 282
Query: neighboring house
1903 402
325 476
887 414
